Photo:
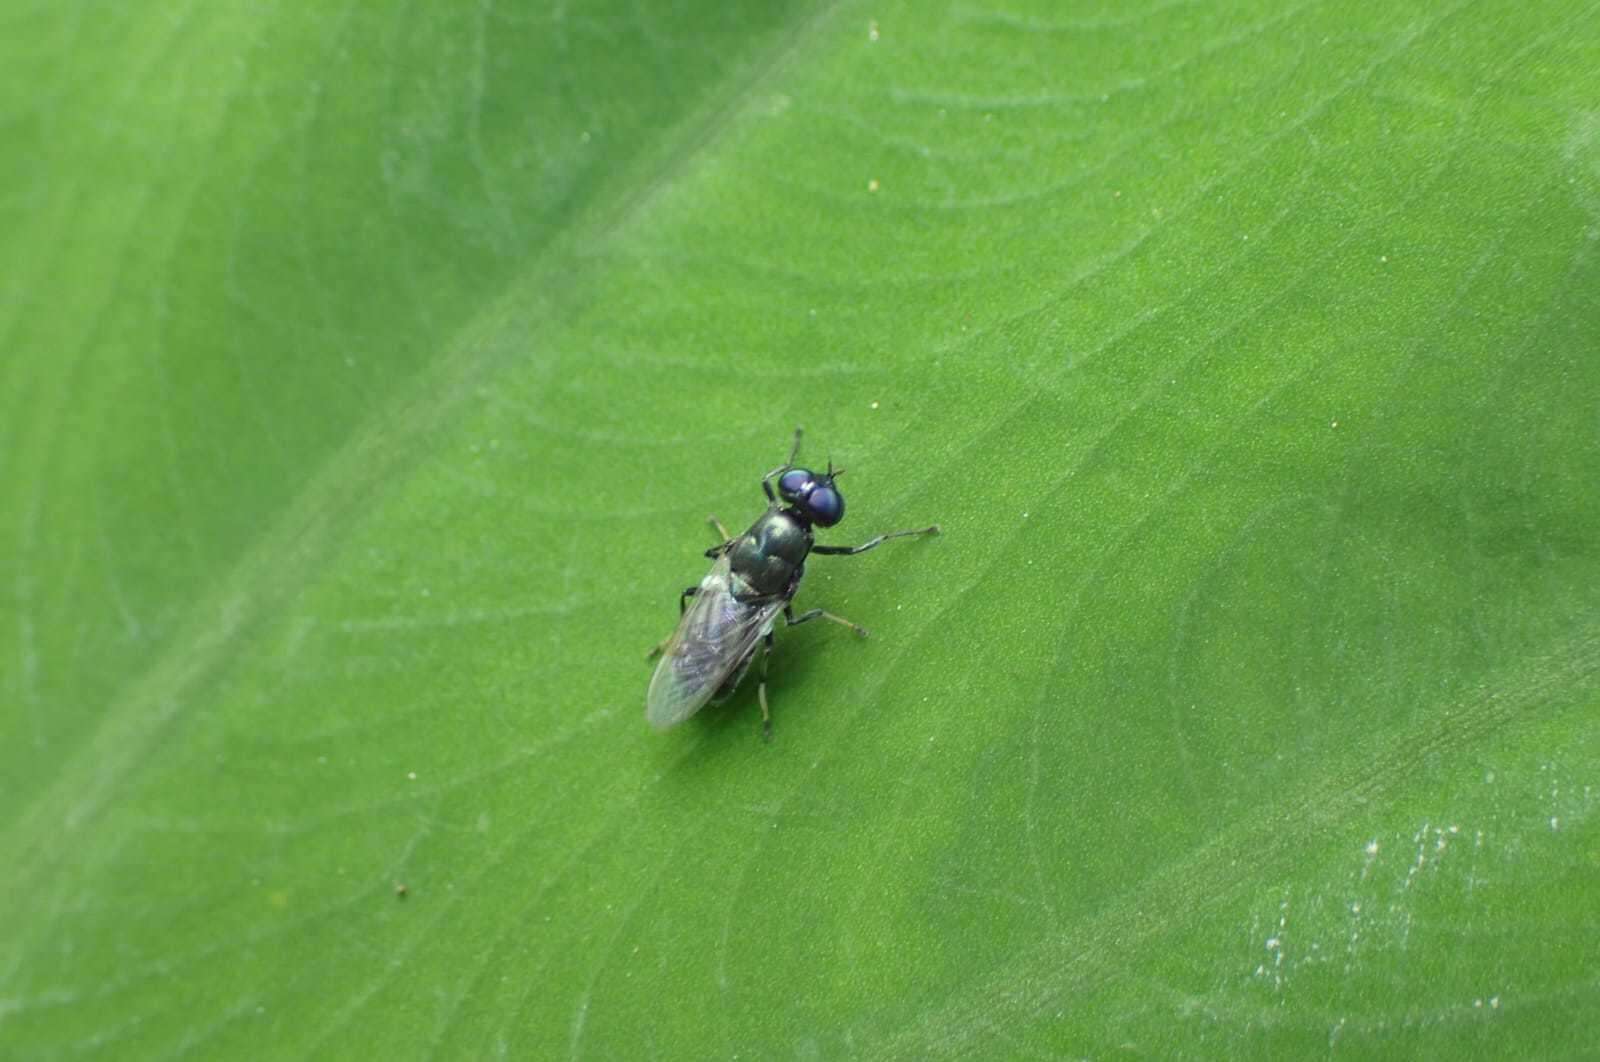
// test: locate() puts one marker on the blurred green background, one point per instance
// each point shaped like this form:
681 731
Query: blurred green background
367 372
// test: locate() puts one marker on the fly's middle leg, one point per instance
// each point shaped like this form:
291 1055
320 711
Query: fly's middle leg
727 540
816 613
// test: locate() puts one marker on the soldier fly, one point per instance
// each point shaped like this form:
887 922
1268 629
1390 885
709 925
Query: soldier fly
755 578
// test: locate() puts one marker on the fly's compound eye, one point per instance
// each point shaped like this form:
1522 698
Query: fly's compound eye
826 505
795 484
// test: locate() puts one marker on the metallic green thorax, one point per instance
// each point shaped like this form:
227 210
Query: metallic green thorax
771 555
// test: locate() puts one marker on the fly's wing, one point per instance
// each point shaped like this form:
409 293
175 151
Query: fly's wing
714 636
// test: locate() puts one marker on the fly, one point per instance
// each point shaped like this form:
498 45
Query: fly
753 580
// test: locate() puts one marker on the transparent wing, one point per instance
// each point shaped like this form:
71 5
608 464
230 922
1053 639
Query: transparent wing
716 633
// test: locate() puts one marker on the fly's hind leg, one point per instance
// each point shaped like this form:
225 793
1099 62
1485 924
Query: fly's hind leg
683 603
761 690
816 613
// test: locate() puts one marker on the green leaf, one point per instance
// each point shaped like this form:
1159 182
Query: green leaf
370 372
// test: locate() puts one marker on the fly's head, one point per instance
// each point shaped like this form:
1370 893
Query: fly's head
813 496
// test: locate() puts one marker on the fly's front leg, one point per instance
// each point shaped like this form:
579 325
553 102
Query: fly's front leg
850 551
683 603
761 690
816 613
794 452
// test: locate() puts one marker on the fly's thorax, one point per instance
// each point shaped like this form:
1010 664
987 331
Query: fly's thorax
770 555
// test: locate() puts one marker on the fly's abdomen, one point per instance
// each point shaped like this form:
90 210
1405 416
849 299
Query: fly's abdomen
681 686
714 637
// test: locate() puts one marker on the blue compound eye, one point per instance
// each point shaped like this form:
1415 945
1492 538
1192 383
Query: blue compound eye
826 505
793 483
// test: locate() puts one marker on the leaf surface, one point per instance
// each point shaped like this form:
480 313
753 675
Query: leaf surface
372 371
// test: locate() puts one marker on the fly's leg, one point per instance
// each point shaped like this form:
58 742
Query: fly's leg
761 690
816 613
850 551
683 603
727 540
794 452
